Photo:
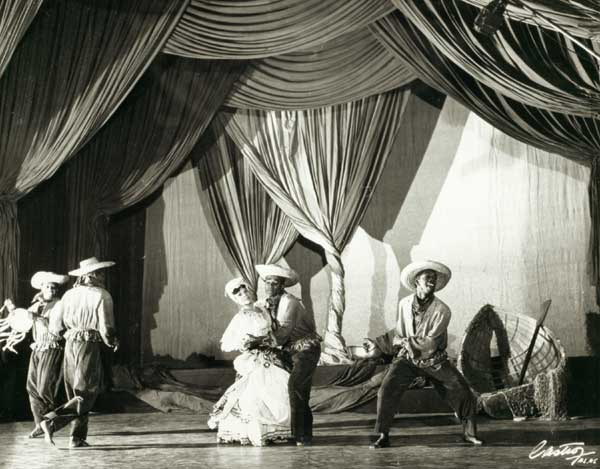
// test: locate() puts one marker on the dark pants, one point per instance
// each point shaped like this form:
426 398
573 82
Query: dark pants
43 381
299 384
447 381
83 378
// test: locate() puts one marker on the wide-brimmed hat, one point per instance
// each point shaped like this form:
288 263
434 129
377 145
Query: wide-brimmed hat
233 284
90 265
40 278
290 276
409 274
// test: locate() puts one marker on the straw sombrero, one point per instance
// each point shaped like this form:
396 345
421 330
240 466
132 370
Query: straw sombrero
289 275
233 284
90 265
40 278
409 274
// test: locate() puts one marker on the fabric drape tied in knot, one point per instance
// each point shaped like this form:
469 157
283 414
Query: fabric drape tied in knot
321 172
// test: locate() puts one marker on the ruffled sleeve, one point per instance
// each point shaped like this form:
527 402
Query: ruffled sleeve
256 323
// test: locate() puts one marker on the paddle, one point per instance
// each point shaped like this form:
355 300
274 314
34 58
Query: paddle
540 323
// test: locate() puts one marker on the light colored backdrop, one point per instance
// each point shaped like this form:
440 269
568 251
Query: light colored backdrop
511 221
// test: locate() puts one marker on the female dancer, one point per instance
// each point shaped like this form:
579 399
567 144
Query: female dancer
255 409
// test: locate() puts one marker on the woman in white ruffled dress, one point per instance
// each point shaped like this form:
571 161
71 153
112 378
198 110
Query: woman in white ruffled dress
255 409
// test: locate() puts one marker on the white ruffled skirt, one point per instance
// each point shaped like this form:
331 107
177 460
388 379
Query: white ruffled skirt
255 409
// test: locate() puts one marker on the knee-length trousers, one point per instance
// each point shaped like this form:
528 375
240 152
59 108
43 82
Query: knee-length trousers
83 377
44 377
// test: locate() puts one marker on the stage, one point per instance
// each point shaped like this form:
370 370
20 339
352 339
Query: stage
181 439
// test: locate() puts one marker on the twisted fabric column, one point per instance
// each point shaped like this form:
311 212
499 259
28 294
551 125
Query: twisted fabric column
334 347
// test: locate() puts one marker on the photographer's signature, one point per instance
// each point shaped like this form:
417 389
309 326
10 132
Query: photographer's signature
575 453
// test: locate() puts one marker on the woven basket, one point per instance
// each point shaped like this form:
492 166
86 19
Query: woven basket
491 358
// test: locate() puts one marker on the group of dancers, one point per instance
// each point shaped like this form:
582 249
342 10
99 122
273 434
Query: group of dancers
279 349
68 334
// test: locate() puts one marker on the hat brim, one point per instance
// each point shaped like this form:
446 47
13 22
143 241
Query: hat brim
409 274
289 276
40 278
233 284
91 268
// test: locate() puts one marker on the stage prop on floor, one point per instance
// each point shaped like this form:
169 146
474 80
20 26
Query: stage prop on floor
515 365
339 388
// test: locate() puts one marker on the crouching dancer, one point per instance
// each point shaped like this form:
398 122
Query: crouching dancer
418 344
86 311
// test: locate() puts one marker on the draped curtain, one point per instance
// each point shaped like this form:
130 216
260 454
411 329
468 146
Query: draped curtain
580 17
245 29
53 98
15 18
253 227
350 67
532 65
574 136
321 168
149 138
9 249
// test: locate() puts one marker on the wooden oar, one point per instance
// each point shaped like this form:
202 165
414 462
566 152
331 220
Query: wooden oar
540 323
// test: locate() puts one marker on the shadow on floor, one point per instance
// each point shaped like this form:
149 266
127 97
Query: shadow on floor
158 432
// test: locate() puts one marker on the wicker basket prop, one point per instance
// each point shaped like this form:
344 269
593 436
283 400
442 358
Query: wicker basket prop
491 359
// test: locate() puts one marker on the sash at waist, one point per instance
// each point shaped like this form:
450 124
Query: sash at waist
305 343
83 335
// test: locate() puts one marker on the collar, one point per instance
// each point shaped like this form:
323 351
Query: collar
419 307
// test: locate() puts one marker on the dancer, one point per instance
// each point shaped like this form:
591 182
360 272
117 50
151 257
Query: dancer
295 330
45 364
255 409
419 344
86 311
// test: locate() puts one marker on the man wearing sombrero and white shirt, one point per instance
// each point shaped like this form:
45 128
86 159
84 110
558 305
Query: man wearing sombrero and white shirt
418 344
86 311
295 331
45 363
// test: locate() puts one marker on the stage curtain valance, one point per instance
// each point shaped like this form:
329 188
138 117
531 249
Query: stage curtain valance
252 226
574 136
529 64
581 17
245 29
350 67
15 18
321 167
147 139
53 98
569 135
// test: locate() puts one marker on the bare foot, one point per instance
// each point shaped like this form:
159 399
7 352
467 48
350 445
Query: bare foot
48 432
37 431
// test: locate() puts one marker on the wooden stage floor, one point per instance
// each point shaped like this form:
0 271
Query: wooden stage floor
182 439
